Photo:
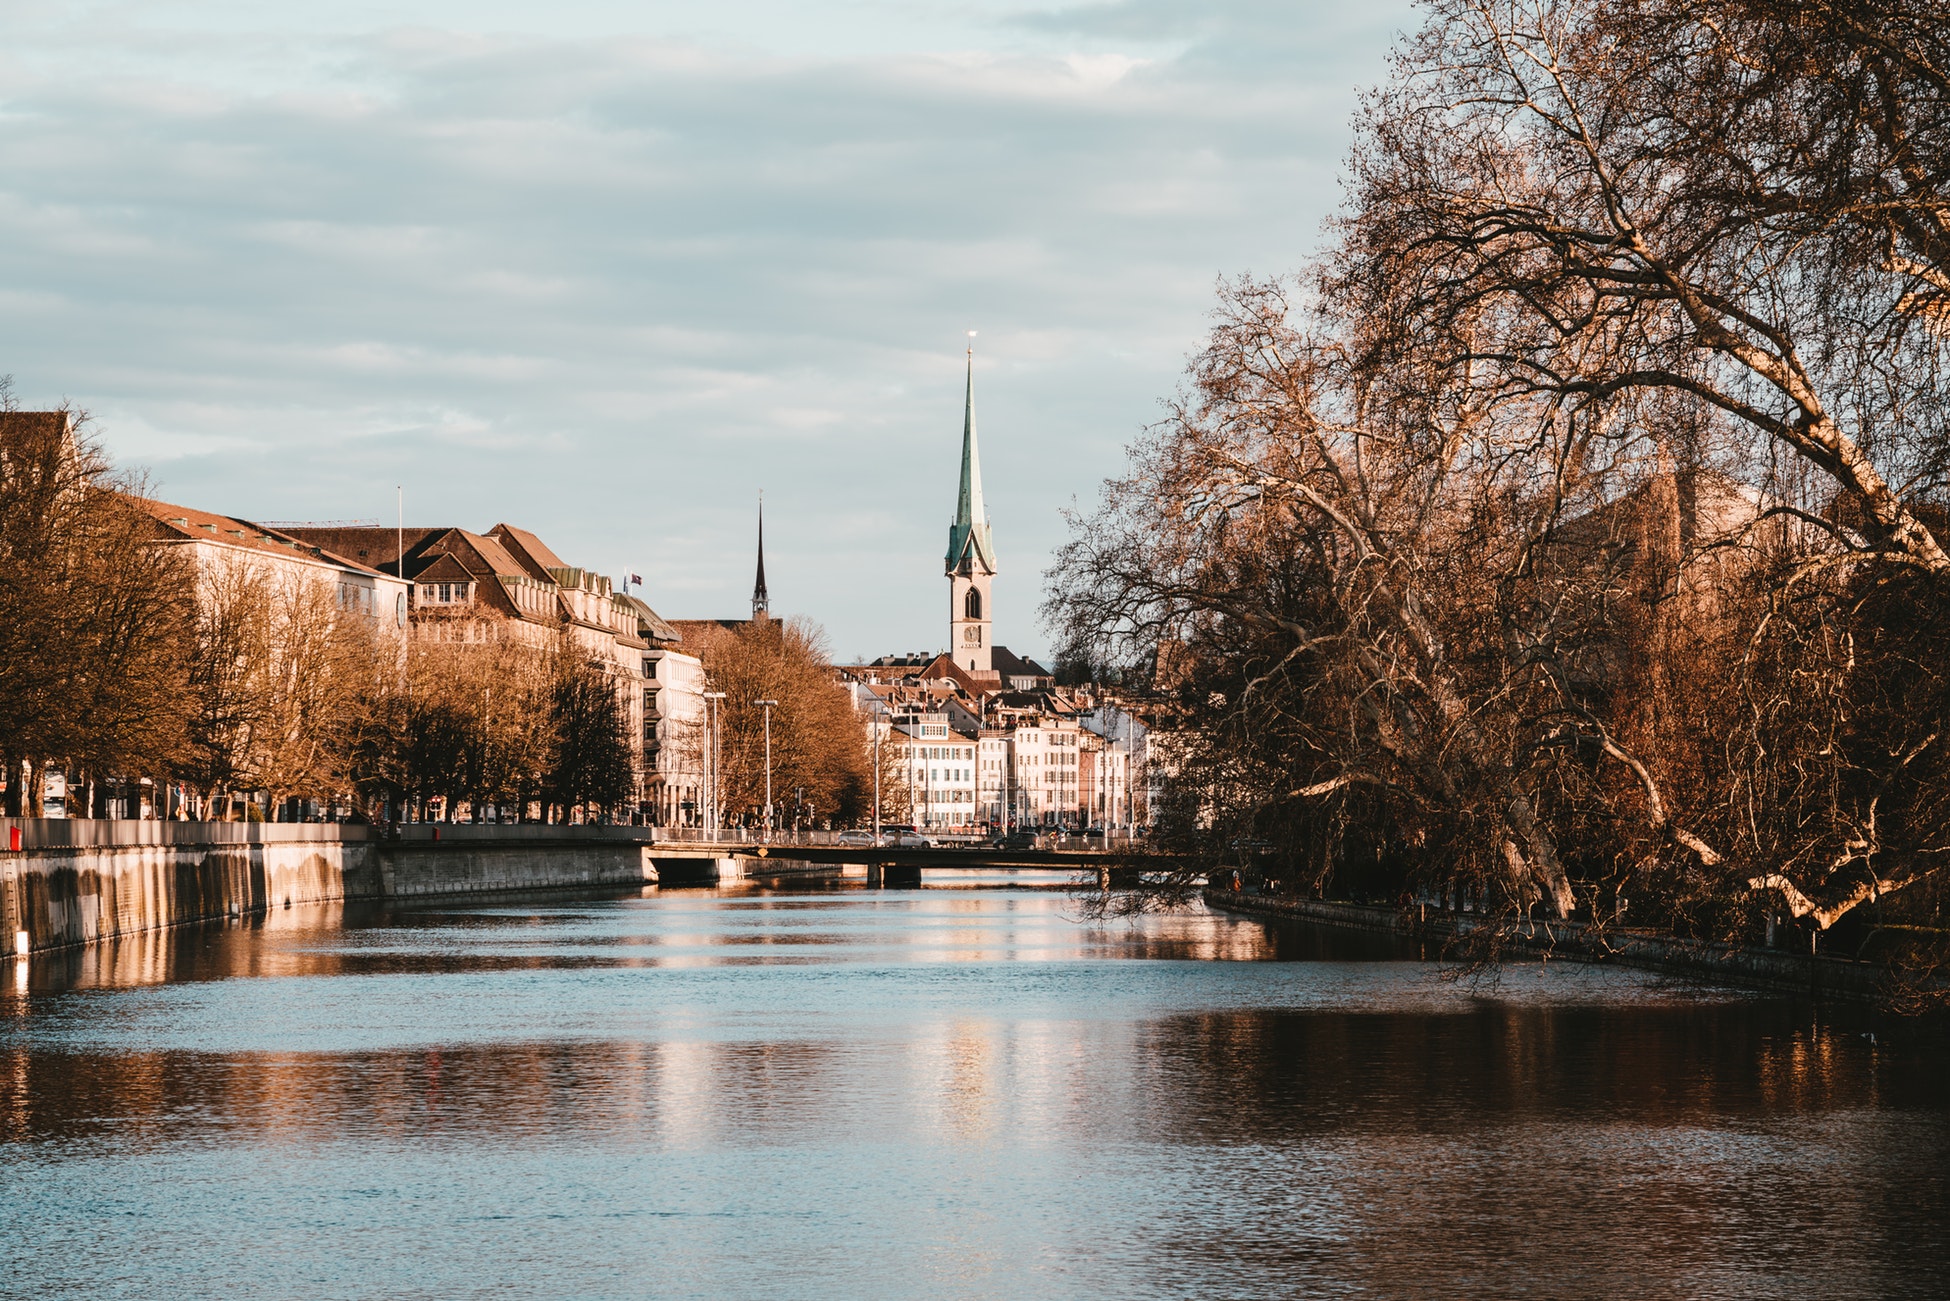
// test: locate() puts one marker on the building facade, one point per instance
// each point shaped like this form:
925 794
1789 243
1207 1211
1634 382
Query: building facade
506 586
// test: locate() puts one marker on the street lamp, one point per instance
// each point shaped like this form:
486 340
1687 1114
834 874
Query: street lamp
768 706
711 817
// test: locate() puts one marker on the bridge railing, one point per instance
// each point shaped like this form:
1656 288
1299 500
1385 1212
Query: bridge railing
735 836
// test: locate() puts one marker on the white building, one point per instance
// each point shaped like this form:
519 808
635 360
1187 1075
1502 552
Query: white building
225 549
938 764
673 736
1118 788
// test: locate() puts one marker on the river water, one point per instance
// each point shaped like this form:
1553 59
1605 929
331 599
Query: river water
938 1093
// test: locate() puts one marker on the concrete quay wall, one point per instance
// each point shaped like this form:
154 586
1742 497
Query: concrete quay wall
65 895
84 882
419 870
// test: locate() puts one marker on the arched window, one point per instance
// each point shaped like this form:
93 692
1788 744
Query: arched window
972 604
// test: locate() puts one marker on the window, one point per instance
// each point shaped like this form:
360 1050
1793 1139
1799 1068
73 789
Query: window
650 669
972 603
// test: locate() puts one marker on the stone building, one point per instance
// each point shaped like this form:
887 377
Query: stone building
222 546
507 585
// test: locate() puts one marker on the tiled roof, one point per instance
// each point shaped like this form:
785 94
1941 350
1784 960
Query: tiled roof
1011 665
658 626
444 568
186 522
497 557
526 547
369 544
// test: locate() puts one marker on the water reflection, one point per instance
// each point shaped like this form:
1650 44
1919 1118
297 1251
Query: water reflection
929 1094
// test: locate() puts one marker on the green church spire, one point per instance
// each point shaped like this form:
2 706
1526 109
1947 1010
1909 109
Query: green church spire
968 537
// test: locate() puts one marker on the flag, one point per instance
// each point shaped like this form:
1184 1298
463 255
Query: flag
636 580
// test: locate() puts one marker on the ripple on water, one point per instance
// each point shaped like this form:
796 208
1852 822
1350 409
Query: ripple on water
940 1094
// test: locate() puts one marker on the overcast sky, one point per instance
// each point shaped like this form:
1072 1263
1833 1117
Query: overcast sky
605 270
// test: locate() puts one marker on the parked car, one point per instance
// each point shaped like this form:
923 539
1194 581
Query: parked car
1015 840
856 838
1093 833
911 840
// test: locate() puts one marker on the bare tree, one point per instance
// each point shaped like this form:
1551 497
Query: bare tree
93 619
819 747
1739 205
1345 581
589 760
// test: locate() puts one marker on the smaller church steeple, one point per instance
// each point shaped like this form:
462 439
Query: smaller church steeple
761 604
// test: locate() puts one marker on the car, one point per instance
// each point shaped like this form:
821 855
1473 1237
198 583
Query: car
911 840
856 838
1015 840
1093 833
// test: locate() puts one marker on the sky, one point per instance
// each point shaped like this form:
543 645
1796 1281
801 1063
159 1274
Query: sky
607 270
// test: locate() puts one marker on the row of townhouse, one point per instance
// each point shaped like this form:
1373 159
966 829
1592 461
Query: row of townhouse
508 585
1045 760
448 584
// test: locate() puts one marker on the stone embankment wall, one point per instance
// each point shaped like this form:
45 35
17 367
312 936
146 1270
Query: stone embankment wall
81 882
422 870
1793 973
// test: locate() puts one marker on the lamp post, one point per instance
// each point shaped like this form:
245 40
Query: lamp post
876 774
711 818
768 706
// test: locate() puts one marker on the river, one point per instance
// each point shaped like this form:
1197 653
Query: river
936 1093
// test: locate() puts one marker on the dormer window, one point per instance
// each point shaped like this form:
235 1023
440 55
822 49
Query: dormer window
446 593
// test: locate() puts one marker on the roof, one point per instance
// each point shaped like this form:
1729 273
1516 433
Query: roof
432 554
445 568
969 544
1011 665
369 544
495 555
659 627
45 423
529 551
186 523
944 666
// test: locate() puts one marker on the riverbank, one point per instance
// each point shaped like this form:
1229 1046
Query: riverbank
83 882
1769 969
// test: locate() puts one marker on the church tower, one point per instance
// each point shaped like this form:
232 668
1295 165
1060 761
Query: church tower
761 600
971 554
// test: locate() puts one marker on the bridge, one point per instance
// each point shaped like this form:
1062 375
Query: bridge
688 856
894 866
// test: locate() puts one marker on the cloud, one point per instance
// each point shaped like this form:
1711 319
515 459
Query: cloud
609 282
